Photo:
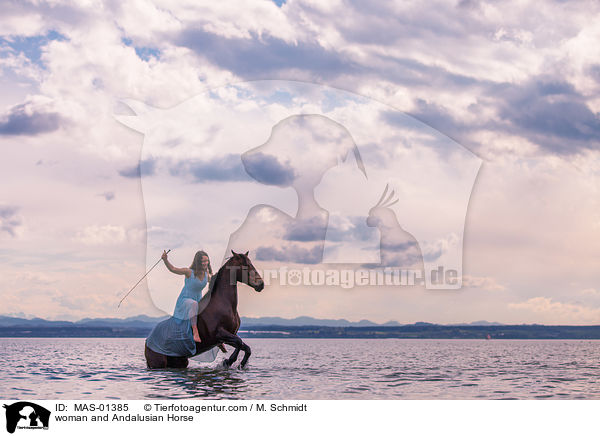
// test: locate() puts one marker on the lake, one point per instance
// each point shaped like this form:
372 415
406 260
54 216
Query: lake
79 368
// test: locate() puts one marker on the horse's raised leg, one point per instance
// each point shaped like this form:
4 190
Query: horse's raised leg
236 342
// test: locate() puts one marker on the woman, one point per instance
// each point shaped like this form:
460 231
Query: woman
177 336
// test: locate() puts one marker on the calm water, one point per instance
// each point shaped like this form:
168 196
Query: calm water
307 369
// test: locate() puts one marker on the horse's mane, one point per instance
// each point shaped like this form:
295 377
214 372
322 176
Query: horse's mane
217 277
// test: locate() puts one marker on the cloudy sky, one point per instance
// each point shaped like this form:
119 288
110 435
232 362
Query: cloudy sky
121 124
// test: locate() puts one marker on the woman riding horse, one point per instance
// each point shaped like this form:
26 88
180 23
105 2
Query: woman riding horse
178 335
218 323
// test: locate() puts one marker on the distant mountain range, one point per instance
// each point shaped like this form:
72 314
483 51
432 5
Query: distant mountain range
147 322
301 327
141 321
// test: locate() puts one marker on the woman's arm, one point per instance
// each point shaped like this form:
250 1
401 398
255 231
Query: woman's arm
181 271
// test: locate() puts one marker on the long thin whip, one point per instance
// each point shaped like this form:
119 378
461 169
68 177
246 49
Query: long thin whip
140 280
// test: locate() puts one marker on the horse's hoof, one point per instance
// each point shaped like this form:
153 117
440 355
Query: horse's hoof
225 363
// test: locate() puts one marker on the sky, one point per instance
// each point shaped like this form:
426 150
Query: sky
275 127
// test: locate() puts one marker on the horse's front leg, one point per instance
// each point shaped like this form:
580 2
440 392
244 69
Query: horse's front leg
236 342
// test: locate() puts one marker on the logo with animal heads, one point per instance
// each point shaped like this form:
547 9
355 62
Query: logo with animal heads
26 415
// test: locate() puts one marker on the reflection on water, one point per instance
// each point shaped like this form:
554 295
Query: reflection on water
195 382
307 369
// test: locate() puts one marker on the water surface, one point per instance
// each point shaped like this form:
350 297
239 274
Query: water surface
79 368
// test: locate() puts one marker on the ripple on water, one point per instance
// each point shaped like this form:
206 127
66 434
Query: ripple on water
22 389
287 368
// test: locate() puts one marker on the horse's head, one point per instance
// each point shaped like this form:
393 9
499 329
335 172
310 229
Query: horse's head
242 269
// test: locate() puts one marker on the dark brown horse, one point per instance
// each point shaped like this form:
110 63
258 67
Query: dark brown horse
219 321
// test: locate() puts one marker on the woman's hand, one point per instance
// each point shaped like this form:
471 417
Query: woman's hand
181 271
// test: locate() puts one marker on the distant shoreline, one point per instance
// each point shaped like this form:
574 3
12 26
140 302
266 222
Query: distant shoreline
427 331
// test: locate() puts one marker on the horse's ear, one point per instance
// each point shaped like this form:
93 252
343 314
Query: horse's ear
246 254
234 253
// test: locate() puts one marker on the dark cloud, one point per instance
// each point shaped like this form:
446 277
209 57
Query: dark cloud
292 253
266 56
47 163
547 111
256 57
108 196
267 169
437 117
358 231
312 229
402 260
411 72
221 169
550 113
400 246
383 25
21 120
468 4
146 167
403 254
594 72
9 220
440 119
433 255
564 119
227 168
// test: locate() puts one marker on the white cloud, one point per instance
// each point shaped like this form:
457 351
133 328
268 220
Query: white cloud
555 312
533 218
10 221
102 235
590 292
483 283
